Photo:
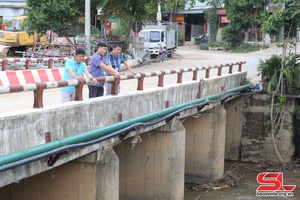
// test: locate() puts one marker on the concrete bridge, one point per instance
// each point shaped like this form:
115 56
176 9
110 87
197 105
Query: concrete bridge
140 145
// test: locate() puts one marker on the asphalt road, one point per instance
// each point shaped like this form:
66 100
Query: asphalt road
185 56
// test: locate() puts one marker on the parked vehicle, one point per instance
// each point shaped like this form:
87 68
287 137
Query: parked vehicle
164 34
200 39
16 38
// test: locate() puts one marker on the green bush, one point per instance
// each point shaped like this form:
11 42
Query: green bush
227 47
203 46
231 36
213 44
180 40
247 47
270 71
219 45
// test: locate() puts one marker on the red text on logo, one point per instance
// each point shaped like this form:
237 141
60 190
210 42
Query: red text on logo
272 181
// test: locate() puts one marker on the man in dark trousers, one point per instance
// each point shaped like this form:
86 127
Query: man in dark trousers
98 69
115 59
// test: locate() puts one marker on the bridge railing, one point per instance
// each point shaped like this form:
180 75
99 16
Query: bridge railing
28 62
39 87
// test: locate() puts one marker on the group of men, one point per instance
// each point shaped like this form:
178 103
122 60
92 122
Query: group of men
75 68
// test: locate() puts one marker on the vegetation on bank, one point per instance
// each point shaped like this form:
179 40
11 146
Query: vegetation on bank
281 73
241 48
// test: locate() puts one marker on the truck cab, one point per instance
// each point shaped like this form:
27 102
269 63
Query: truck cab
152 38
155 35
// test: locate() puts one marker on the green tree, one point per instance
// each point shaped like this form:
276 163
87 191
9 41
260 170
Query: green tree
45 15
212 17
54 14
289 18
130 11
246 12
232 36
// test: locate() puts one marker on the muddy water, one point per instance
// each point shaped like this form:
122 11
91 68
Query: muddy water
246 189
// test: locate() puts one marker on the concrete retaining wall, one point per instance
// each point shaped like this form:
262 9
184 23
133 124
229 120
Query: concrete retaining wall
249 139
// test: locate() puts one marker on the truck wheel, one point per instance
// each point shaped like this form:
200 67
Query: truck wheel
171 54
11 52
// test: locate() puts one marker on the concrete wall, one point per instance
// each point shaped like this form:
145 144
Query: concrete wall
248 138
256 138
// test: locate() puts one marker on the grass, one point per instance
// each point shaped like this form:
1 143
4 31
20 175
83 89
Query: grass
242 48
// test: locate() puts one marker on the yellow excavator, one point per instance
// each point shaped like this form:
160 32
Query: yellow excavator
15 38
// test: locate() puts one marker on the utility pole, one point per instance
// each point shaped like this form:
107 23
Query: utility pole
158 16
87 27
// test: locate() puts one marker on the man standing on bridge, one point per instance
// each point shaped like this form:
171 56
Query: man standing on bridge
115 59
98 69
74 69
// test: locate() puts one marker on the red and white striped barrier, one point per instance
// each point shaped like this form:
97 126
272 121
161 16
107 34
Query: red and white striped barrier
27 61
30 76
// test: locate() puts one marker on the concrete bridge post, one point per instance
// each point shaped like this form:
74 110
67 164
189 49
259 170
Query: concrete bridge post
234 127
91 177
152 164
74 180
205 145
106 172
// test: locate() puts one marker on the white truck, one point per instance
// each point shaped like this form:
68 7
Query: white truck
165 34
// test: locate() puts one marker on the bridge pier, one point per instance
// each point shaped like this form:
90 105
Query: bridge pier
73 180
94 176
234 128
152 166
106 172
205 146
107 175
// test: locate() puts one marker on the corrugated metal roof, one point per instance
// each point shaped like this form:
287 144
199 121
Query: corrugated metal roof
197 4
191 11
